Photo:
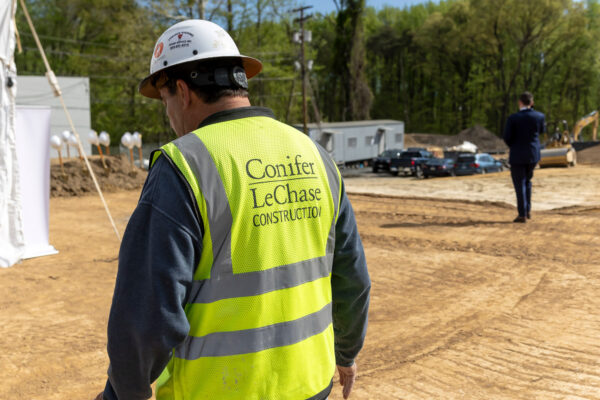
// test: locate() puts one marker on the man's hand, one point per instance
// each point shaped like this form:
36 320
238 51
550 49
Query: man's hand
99 397
347 378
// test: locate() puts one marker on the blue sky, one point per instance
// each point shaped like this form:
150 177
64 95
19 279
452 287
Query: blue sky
327 6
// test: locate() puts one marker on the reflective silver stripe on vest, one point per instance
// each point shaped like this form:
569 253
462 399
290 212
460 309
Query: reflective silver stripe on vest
217 204
253 340
260 282
334 186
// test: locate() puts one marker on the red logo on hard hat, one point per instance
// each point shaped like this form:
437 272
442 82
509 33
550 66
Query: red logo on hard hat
158 50
179 35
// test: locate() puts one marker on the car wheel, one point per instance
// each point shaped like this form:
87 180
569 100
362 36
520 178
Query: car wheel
418 172
395 173
375 169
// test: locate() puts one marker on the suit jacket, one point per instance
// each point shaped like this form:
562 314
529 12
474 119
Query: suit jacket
522 135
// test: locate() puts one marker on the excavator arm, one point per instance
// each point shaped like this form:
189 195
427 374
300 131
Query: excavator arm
585 121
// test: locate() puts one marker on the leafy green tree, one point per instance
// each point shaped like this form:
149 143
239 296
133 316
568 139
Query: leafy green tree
349 61
108 41
440 67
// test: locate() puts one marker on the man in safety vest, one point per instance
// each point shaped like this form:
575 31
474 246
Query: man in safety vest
241 272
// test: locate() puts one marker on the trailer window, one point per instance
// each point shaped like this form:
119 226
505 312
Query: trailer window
399 137
369 141
352 142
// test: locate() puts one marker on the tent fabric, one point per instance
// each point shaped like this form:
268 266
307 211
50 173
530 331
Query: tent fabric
33 152
12 242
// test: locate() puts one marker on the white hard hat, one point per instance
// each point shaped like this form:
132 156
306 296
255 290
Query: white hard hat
193 40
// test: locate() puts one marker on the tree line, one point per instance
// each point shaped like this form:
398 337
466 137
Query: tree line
439 67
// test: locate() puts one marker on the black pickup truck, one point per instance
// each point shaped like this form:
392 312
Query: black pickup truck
410 162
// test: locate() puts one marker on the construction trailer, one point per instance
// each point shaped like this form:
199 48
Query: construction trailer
356 142
35 91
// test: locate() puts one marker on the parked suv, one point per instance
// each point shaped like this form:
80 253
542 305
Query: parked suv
468 164
383 161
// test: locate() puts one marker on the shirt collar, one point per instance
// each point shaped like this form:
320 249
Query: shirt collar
237 113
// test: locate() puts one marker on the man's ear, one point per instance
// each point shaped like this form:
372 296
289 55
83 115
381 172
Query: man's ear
184 93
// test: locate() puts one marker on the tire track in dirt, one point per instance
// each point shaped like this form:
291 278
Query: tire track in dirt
467 305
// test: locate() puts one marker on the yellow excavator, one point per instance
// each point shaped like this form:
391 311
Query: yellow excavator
559 150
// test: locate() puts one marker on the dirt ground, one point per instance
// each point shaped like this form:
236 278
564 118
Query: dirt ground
465 304
73 179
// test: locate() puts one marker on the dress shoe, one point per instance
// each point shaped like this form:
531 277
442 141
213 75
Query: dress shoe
520 219
528 216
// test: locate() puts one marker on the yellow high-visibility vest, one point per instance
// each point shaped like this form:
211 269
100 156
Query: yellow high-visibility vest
259 307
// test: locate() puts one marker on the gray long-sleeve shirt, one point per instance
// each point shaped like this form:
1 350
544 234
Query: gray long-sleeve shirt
161 248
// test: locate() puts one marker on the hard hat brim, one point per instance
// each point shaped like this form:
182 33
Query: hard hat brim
251 66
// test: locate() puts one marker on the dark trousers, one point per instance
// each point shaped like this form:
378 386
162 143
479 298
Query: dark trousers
521 176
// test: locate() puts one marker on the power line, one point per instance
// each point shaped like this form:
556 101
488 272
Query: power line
133 78
103 57
58 39
83 55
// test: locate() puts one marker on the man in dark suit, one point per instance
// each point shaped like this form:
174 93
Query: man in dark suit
522 136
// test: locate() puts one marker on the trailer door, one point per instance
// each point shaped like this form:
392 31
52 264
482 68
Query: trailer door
380 140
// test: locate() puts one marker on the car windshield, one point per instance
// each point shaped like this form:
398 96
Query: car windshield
466 159
410 154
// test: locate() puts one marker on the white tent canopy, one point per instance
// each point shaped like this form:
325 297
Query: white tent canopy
12 244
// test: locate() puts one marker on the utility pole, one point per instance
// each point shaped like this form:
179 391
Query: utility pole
201 9
303 62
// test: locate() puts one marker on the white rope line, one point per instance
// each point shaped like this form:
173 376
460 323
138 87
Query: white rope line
54 84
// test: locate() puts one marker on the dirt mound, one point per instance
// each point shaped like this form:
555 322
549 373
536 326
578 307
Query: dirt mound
590 154
485 140
411 141
76 180
482 138
429 139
